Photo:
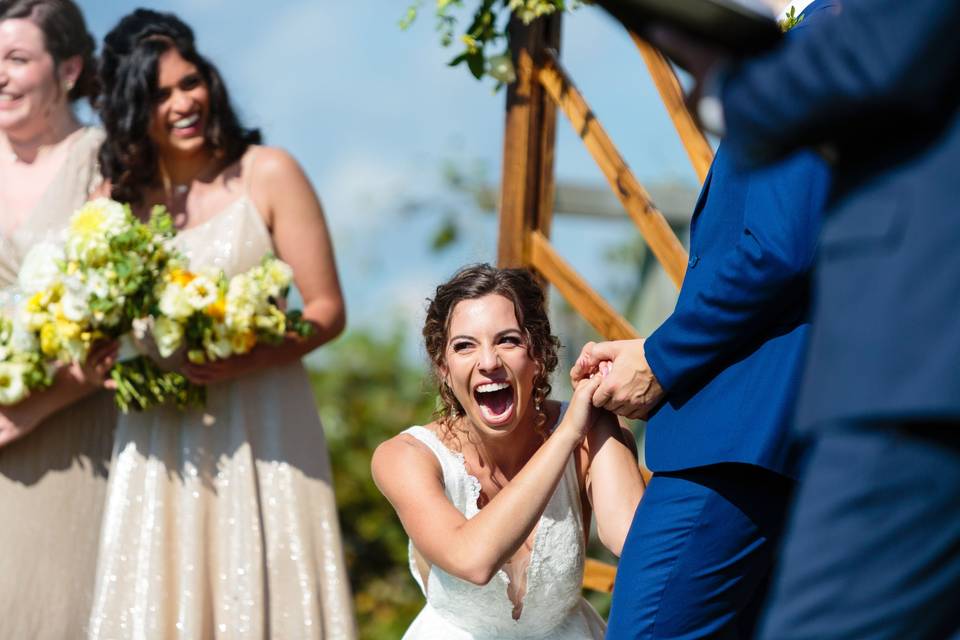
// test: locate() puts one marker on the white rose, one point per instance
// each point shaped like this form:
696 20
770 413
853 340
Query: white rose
218 345
40 268
12 387
168 335
201 292
22 340
74 302
98 285
174 302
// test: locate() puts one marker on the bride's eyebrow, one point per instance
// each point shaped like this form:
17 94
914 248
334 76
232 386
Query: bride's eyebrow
460 337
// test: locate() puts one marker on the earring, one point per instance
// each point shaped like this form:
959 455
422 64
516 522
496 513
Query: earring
68 85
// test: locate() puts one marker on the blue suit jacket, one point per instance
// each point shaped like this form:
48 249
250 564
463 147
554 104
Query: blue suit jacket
730 355
879 83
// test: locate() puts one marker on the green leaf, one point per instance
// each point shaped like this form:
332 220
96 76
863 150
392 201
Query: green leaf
477 64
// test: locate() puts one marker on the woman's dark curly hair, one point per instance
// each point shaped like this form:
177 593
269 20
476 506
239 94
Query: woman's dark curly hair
65 35
529 303
128 75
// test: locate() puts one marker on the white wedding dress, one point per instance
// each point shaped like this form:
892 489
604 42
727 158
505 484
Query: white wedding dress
552 606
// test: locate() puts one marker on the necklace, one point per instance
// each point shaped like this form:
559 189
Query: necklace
176 194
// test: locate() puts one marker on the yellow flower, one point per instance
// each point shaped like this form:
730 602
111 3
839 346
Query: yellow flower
218 309
49 340
181 277
243 342
68 330
35 303
97 217
470 42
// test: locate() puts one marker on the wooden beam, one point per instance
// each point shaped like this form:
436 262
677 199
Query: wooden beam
651 223
526 195
576 291
598 576
698 149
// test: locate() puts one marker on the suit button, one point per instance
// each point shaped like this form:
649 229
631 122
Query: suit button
693 261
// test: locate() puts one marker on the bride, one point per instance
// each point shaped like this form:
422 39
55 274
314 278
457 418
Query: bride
497 493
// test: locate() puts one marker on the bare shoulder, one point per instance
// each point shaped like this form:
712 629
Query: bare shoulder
402 456
272 163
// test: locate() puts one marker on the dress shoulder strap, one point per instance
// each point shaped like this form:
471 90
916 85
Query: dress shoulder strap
248 166
462 488
429 439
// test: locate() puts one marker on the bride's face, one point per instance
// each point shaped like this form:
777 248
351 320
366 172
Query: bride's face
487 364
182 107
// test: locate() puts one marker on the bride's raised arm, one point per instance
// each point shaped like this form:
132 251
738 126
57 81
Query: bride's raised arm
474 549
613 482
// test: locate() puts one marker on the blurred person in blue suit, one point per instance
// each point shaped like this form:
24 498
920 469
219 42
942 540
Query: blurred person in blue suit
873 549
722 372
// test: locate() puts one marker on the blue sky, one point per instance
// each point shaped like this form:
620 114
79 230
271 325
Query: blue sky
373 113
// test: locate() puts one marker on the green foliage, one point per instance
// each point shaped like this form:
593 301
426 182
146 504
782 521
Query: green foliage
486 31
790 20
142 384
366 393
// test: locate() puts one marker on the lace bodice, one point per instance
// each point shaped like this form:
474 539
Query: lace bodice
552 605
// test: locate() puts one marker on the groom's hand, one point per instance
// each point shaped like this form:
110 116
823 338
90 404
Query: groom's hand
629 387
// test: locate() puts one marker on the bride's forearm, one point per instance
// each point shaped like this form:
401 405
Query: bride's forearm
482 544
616 485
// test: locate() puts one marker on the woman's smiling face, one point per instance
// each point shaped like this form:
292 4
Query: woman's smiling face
487 364
30 90
182 106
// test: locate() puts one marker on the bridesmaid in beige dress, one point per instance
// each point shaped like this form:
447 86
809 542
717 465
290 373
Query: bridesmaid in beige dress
219 523
53 459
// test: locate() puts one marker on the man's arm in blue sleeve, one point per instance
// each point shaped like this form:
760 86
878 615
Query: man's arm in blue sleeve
873 58
744 293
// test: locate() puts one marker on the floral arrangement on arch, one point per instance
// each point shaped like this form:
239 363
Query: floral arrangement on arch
486 46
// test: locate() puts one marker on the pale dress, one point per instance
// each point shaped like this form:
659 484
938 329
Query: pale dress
221 523
53 481
553 606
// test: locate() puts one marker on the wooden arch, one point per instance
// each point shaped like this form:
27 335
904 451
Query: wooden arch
527 185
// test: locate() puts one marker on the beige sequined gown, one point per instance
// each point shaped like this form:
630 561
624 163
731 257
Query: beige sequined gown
53 481
222 523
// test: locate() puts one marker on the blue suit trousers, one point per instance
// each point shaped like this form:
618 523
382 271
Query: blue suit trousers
699 553
873 549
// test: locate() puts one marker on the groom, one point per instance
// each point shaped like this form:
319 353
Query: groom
722 373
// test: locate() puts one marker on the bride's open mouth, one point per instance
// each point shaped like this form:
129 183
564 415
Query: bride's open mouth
496 401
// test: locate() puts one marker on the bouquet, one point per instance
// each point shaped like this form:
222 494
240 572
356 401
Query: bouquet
214 317
22 366
95 286
207 317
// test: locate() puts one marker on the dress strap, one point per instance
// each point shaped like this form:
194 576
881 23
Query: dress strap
432 442
249 162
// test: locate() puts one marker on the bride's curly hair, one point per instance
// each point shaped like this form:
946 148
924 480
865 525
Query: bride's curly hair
529 303
128 77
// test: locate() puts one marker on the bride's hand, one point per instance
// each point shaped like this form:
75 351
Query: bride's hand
581 413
